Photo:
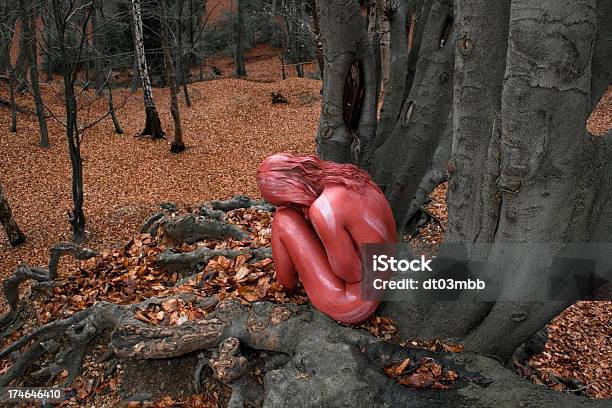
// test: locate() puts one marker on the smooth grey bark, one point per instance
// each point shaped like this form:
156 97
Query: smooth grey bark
153 124
239 39
480 48
177 145
348 113
547 159
14 234
394 80
422 119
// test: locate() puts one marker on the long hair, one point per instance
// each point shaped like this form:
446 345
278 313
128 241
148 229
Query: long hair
284 179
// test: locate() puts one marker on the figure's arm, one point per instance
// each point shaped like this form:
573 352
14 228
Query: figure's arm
339 245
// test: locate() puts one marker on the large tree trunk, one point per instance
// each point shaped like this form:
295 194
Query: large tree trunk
13 232
239 39
523 169
153 124
177 145
38 101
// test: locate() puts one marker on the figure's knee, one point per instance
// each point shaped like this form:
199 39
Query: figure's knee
287 220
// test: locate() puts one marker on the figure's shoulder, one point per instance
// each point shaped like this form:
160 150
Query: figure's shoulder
334 202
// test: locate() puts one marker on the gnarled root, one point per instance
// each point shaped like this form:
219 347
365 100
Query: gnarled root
231 368
24 273
197 259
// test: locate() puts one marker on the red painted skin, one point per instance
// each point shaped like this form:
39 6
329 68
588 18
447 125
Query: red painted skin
321 220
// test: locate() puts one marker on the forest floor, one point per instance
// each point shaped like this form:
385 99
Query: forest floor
230 128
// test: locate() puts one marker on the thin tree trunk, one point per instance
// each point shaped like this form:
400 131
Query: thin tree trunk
153 124
239 39
177 145
12 99
14 234
111 109
76 217
437 171
40 109
317 32
183 62
23 57
98 44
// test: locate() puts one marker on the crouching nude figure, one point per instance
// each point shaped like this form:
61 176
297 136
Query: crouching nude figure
325 211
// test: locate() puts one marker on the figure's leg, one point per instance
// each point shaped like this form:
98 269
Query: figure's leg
286 274
327 292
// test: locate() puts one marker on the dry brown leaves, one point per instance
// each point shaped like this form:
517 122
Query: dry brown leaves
230 128
381 327
424 374
128 274
579 347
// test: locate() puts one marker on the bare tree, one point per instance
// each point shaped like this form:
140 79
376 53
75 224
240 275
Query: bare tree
15 236
152 124
177 145
29 31
239 39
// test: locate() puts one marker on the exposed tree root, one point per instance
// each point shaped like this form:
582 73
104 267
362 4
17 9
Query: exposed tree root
191 228
239 201
311 361
210 224
24 273
197 259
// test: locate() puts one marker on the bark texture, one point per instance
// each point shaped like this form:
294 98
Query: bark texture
517 79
